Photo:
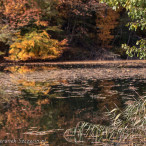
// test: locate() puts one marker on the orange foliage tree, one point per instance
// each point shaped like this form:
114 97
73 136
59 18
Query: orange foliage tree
18 13
106 22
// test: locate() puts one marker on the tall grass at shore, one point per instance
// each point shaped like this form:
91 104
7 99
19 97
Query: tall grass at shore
126 127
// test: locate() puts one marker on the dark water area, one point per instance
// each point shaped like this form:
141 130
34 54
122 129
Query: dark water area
39 112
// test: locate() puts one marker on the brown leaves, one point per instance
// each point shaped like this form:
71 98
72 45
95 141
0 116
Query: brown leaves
20 12
106 21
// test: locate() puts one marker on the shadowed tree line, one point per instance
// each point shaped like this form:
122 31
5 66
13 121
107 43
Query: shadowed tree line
71 29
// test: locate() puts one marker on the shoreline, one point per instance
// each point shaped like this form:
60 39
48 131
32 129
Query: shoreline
106 62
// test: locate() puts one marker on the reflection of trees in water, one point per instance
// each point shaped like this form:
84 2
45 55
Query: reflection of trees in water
42 105
105 95
18 117
31 89
111 96
26 69
24 115
44 112
104 98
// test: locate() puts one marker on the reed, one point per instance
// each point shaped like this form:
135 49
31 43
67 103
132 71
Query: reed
127 126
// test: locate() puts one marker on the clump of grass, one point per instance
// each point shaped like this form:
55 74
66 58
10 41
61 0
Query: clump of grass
126 127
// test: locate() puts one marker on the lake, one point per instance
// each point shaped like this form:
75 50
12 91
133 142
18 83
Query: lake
39 103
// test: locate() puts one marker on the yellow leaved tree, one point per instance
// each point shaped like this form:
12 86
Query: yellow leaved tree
35 45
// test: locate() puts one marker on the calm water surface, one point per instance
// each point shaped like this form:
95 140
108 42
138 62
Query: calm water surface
39 112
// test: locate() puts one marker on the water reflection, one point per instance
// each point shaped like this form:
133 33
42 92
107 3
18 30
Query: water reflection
17 118
106 95
26 69
43 110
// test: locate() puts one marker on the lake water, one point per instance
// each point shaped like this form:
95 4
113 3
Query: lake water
38 104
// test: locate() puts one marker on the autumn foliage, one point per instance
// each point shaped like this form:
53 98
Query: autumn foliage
19 13
34 29
107 20
35 45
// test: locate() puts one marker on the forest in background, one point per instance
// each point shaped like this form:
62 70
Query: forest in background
72 29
